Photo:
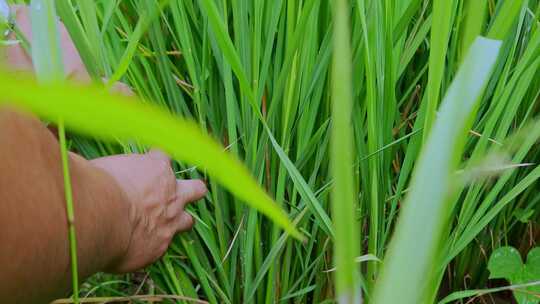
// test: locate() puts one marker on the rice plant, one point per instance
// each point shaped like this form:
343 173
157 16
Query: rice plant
401 145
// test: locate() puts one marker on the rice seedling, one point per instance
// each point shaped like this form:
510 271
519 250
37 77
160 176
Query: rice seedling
367 123
47 61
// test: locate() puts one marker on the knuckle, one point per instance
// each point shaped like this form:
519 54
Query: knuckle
202 185
166 239
162 249
189 221
164 211
163 165
166 183
172 211
183 195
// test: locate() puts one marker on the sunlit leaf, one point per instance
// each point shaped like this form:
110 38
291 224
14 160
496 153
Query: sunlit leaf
94 112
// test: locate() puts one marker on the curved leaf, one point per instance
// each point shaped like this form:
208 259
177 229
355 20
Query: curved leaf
533 262
504 263
93 111
408 272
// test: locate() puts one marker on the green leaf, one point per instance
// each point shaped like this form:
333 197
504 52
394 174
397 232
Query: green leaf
78 36
533 263
474 22
346 245
504 263
440 33
144 22
48 63
462 294
46 53
94 112
523 215
527 295
458 295
506 17
531 273
229 52
408 266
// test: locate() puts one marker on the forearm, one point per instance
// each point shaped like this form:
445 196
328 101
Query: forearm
33 223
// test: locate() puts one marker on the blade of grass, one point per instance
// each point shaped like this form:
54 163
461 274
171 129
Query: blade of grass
458 295
505 19
79 37
48 64
144 22
407 274
440 34
229 52
127 119
474 23
346 243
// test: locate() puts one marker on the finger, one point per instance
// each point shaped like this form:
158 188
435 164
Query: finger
17 58
73 64
174 210
186 191
158 155
123 89
185 222
189 190
20 60
22 19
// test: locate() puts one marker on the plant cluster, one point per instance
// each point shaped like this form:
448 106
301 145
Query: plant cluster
401 145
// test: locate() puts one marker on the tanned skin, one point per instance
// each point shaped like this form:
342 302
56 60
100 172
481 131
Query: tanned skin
127 207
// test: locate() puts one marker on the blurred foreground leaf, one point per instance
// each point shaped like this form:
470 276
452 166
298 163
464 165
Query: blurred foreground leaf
408 275
94 112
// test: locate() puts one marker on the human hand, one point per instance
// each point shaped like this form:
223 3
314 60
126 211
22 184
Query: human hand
156 203
74 68
19 60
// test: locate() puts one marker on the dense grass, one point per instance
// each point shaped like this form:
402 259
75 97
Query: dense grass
277 83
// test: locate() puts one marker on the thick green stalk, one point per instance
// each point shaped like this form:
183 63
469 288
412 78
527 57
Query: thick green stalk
47 59
346 243
408 275
69 211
